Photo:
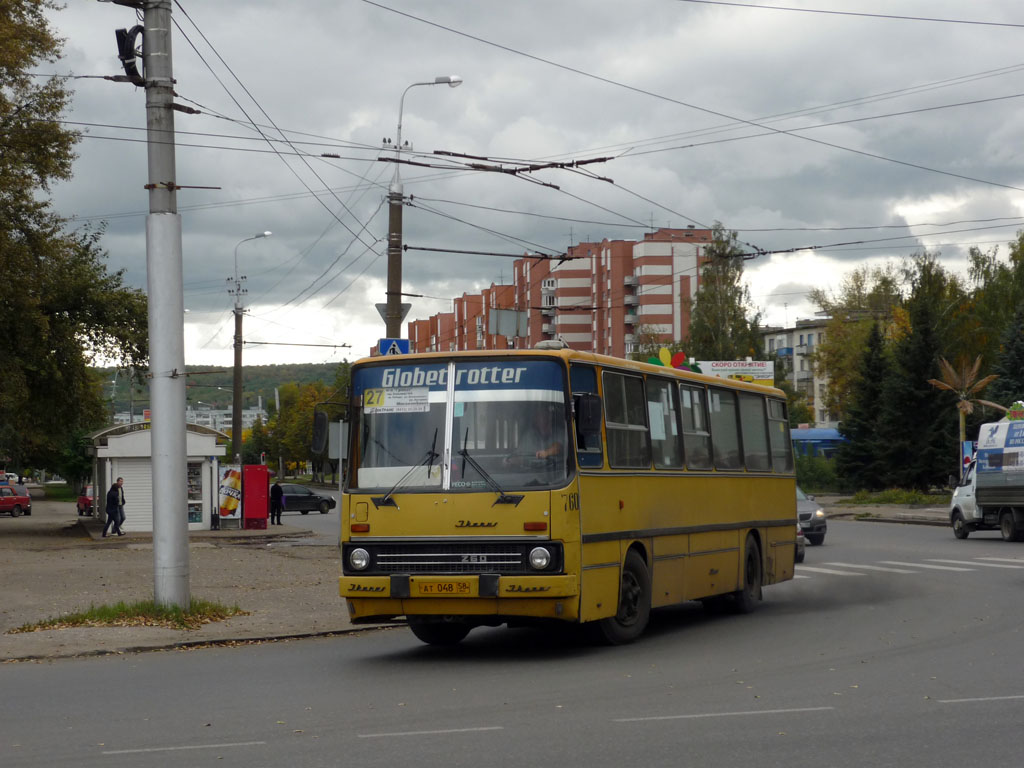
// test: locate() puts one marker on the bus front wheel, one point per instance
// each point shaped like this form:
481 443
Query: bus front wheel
434 632
634 610
745 599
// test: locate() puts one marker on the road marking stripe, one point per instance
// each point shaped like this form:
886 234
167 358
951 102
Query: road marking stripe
972 562
191 746
431 733
871 567
826 570
986 698
1002 559
721 714
925 565
798 576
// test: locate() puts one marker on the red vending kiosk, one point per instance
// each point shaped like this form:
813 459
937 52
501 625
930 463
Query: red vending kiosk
255 496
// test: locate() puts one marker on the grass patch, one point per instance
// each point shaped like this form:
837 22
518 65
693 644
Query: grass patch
60 492
898 496
145 613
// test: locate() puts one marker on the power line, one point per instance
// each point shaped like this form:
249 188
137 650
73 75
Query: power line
652 94
855 13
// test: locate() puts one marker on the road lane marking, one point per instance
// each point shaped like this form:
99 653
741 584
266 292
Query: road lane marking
798 576
925 565
1002 559
431 733
721 714
188 746
826 570
871 567
972 562
984 698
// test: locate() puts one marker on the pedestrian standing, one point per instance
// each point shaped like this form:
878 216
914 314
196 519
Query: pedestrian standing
115 508
276 503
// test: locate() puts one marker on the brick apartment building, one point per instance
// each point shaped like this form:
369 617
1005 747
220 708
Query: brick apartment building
598 299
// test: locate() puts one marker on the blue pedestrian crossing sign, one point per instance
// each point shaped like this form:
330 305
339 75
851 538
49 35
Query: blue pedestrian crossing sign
393 346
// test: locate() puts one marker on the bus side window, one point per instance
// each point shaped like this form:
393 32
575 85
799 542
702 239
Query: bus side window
625 420
754 428
725 432
663 412
696 438
587 414
778 436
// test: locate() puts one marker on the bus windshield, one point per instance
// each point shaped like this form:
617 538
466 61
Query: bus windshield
465 426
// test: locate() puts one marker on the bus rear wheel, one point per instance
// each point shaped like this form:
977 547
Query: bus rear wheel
435 632
634 609
745 600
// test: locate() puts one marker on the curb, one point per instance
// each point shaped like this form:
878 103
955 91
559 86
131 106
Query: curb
185 645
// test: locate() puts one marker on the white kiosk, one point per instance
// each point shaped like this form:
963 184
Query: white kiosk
126 451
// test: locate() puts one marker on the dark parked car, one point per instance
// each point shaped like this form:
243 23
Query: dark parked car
811 517
299 498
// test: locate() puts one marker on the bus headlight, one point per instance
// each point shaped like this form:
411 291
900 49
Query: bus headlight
358 559
540 558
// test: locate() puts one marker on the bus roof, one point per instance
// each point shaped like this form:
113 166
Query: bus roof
571 355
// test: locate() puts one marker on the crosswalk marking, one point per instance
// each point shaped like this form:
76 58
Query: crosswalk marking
871 567
973 562
827 570
925 565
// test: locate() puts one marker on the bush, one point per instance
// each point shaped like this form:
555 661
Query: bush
816 474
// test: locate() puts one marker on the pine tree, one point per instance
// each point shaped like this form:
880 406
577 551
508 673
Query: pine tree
860 461
1009 366
917 424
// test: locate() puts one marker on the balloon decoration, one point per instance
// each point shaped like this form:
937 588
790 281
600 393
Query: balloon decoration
678 360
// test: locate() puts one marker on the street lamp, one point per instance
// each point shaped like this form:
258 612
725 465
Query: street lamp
236 403
394 312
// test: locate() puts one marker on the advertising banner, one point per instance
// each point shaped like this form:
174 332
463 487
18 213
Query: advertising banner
229 496
754 371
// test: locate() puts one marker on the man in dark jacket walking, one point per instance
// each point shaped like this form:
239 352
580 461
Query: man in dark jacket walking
276 503
115 508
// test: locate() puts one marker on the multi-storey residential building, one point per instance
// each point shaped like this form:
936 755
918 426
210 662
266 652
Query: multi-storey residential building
795 346
599 298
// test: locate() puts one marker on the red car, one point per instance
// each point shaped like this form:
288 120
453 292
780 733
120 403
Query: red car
12 503
84 503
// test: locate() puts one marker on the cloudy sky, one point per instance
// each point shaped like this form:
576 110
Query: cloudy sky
853 137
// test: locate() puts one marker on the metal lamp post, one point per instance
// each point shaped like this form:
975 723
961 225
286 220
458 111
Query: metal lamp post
236 401
394 312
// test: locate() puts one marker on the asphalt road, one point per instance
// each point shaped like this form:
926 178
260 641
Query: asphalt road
896 646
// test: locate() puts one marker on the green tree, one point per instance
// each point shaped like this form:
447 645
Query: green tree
860 461
866 297
723 321
1009 365
917 428
64 307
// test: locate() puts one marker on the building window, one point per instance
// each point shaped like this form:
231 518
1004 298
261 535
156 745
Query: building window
810 339
771 345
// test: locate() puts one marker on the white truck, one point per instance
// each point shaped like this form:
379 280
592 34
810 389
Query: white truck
990 494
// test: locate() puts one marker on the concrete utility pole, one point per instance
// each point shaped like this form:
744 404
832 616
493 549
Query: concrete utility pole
236 397
166 319
395 311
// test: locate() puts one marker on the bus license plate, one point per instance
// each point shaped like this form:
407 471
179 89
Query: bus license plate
444 588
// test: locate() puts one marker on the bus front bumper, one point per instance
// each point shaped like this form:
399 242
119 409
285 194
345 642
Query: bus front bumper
374 597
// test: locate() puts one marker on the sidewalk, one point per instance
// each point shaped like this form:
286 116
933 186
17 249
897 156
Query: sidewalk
54 563
884 513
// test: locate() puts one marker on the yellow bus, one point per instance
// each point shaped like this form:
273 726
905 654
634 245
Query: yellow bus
521 486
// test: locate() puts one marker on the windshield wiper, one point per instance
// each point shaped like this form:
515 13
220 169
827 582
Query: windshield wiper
386 500
503 498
